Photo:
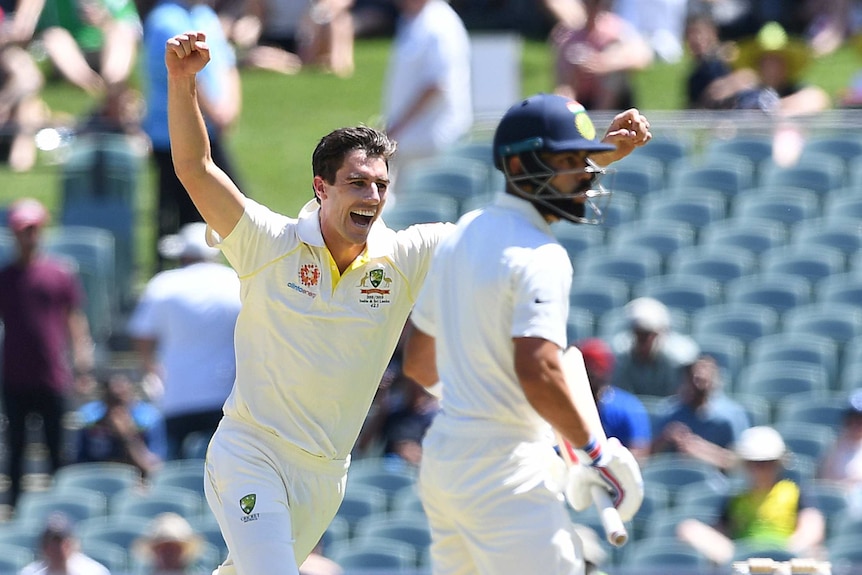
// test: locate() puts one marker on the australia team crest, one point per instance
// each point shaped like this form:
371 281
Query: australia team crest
374 287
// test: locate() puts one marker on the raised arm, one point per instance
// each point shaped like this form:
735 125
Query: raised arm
214 194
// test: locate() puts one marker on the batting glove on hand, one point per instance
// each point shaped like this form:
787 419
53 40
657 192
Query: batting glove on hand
614 468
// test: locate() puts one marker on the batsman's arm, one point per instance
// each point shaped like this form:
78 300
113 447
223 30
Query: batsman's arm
420 358
214 194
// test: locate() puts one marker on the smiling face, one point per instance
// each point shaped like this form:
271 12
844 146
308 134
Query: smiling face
351 203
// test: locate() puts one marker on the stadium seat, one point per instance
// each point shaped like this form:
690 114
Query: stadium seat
744 321
843 233
580 324
753 235
818 408
622 209
106 477
774 380
688 293
850 377
783 347
578 240
664 237
21 533
727 350
120 530
673 472
185 473
720 264
389 481
598 297
702 500
146 505
697 208
461 179
632 265
810 440
839 322
111 555
8 248
779 291
665 148
615 321
756 149
758 409
744 551
411 529
810 262
729 177
784 204
636 175
819 173
846 148
843 203
14 557
406 501
840 288
361 501
76 503
652 557
420 209
374 555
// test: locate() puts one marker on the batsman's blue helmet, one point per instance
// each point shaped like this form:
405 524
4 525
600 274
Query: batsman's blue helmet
545 123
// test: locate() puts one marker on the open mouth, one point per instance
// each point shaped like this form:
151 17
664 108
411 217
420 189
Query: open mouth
362 217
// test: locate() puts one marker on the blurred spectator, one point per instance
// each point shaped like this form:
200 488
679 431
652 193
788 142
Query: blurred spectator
401 414
843 461
770 512
427 93
660 22
121 427
768 76
41 306
219 93
738 19
593 63
649 355
183 330
374 18
568 13
831 23
700 421
22 110
622 414
92 43
710 61
59 552
170 547
850 96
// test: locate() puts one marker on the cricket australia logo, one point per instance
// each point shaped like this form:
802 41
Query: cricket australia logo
374 287
246 503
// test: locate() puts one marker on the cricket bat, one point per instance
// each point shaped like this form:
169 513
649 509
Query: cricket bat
582 394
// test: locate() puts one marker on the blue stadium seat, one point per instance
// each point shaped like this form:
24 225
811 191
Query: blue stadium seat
8 248
665 148
727 350
685 292
578 239
810 440
817 407
185 473
111 555
774 380
839 322
361 501
786 204
389 481
651 556
843 203
375 555
730 177
76 503
694 207
754 148
460 178
702 499
846 148
819 173
840 288
843 233
622 209
850 378
665 237
744 321
754 235
759 409
615 321
632 266
598 297
674 471
120 530
420 209
411 529
580 324
636 175
812 263
720 264
780 291
14 557
785 347
148 504
106 477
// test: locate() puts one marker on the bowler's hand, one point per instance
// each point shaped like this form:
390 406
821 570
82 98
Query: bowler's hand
186 54
628 130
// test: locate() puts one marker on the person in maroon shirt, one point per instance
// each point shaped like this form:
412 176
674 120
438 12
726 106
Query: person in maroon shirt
41 307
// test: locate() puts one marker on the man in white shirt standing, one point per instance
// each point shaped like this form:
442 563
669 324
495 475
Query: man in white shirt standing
488 331
60 551
182 329
427 94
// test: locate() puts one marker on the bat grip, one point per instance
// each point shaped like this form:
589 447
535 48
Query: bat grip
615 530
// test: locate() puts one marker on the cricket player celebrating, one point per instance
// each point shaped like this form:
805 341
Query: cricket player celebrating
324 300
492 319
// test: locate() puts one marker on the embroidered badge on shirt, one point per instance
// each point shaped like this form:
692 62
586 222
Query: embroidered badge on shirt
374 287
309 276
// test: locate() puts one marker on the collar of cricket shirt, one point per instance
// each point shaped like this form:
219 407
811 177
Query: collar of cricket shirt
523 207
308 230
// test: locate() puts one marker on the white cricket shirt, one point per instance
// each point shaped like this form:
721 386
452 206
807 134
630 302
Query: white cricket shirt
191 313
312 348
501 275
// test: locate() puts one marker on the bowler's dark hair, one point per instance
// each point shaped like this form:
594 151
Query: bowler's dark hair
330 152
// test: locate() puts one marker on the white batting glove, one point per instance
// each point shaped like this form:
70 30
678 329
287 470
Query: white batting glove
612 467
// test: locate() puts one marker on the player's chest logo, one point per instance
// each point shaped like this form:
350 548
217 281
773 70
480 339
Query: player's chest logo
307 281
375 287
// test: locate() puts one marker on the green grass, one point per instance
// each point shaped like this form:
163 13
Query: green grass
284 117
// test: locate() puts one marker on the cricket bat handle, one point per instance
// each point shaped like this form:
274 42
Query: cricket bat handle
615 530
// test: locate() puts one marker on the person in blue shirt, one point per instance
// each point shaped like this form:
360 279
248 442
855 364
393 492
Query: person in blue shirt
120 427
622 414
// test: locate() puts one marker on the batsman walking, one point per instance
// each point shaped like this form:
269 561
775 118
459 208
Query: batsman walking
325 297
491 323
